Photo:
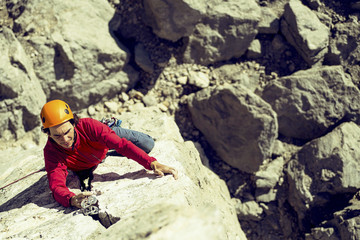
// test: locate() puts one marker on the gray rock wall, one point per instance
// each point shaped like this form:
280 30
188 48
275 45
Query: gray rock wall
267 88
21 95
240 126
72 50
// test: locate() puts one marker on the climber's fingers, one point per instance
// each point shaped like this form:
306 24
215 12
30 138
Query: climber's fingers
161 169
77 199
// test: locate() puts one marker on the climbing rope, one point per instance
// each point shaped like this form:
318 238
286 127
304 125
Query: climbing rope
43 169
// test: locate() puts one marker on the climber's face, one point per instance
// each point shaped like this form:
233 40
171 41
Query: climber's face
63 134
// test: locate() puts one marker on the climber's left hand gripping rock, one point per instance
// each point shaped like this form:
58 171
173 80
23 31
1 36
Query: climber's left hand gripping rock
76 200
161 169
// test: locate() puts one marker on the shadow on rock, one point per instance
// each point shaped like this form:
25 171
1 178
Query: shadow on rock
74 183
108 177
38 193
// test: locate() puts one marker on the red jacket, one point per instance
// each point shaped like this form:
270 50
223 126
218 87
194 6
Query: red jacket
93 139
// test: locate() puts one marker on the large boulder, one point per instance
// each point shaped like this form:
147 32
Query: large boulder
344 48
216 30
196 206
173 20
325 167
303 29
225 31
270 23
234 74
21 95
345 224
73 51
238 124
309 102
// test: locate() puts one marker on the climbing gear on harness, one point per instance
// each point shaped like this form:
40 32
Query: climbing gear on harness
111 122
90 206
54 113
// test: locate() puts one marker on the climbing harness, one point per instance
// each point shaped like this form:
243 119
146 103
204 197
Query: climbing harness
90 206
41 170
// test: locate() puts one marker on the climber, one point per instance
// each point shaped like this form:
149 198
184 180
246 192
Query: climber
81 144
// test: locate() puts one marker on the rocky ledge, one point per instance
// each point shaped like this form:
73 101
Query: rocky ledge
136 204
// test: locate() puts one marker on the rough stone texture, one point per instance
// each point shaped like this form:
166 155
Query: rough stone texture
198 79
196 206
347 221
343 225
239 125
21 95
73 51
308 102
267 179
314 4
269 23
305 32
76 32
142 59
173 20
344 48
225 31
254 50
236 75
248 210
325 167
322 233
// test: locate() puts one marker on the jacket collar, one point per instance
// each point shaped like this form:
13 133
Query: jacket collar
76 139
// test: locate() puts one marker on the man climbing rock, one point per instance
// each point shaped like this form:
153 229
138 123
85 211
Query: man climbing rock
81 145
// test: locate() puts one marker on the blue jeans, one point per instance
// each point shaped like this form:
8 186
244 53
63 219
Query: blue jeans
141 140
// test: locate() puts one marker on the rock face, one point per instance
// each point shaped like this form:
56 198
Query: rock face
217 30
196 206
173 20
268 89
21 95
73 51
224 32
238 124
305 32
309 102
325 167
344 48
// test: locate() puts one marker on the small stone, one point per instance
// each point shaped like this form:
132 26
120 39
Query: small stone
162 107
149 100
91 110
199 79
254 50
111 106
135 94
182 80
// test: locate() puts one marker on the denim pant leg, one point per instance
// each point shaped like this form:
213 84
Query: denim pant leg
141 140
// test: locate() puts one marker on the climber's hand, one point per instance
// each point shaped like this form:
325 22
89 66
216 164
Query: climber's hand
76 200
161 169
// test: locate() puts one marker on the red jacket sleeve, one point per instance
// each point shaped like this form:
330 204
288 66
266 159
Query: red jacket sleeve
108 137
57 173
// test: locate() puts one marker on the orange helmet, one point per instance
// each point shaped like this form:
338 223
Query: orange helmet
54 113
